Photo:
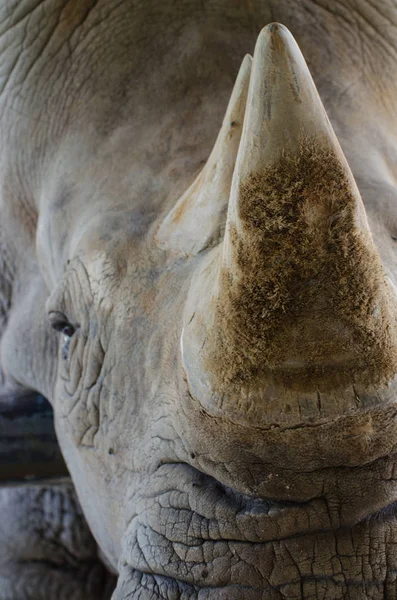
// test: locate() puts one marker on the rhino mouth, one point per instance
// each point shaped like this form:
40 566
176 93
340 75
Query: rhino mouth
205 540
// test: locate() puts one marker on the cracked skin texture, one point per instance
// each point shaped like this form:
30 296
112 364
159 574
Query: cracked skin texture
47 550
235 566
91 163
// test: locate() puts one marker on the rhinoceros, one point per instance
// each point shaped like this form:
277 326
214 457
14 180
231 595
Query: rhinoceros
198 271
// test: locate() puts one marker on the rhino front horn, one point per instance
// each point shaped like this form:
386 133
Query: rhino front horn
293 316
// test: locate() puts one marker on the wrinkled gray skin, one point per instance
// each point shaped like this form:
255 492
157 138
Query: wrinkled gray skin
47 550
109 110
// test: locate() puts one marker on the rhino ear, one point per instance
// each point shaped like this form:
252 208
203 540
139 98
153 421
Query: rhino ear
197 221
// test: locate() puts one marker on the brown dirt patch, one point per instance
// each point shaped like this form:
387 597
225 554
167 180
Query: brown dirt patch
306 305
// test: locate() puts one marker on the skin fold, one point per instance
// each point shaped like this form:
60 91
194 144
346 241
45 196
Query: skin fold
47 549
108 112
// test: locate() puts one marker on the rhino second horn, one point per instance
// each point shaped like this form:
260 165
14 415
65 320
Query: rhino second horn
295 305
197 221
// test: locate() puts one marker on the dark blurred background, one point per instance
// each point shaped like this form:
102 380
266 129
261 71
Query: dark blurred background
28 447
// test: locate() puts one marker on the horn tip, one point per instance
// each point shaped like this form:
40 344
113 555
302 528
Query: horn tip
277 36
247 61
275 29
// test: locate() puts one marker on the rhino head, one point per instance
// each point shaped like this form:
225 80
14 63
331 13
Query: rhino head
225 382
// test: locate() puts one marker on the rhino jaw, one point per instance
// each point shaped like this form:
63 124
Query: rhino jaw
294 305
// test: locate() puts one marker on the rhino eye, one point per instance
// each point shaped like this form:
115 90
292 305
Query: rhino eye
68 330
60 323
